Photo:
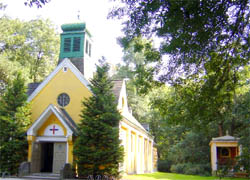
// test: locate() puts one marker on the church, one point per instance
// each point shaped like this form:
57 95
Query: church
56 106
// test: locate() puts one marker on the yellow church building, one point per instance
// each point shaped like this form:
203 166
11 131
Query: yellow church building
56 106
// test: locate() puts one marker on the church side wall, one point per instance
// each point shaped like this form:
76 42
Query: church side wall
138 148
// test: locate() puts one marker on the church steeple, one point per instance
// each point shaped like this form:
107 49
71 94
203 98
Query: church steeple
76 45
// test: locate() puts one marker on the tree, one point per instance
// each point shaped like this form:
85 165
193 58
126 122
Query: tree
37 3
242 113
97 148
31 46
14 121
190 30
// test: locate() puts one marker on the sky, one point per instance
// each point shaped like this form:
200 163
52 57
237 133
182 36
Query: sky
92 12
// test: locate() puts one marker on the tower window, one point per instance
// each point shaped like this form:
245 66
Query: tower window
67 44
87 47
76 44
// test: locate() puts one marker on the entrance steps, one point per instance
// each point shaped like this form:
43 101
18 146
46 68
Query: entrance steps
42 176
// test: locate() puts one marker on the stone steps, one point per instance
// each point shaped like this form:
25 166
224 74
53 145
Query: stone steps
42 176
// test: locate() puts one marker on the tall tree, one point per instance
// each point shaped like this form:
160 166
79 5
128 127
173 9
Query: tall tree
33 46
97 148
190 30
14 121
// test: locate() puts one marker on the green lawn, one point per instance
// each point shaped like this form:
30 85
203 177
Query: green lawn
172 176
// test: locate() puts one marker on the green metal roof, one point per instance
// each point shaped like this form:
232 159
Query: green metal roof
73 27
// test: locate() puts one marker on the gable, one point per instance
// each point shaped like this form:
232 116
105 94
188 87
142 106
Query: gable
52 119
119 91
64 79
49 117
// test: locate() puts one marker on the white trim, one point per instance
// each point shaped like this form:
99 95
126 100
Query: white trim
67 150
43 117
65 63
51 139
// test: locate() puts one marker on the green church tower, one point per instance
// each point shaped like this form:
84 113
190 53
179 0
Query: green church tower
76 45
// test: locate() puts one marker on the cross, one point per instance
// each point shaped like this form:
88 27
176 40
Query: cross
54 129
78 15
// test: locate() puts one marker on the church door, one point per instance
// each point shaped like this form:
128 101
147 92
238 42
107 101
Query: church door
59 156
47 157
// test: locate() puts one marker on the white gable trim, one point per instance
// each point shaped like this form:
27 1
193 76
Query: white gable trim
51 139
123 95
65 63
44 116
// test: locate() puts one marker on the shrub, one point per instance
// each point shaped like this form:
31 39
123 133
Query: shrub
178 168
198 169
192 169
164 165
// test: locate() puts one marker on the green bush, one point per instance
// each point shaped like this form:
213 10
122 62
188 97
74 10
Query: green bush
164 165
192 169
178 168
197 169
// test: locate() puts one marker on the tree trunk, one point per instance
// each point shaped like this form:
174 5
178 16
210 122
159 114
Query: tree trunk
220 129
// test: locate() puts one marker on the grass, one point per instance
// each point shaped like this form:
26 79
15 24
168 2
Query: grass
172 176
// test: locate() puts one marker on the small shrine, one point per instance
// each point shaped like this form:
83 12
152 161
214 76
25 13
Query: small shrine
223 149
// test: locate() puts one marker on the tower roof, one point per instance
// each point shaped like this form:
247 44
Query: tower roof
73 27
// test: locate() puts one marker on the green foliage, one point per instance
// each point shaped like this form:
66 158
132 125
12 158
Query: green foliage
164 165
31 47
191 169
242 113
37 3
207 66
139 53
97 148
224 169
190 30
14 121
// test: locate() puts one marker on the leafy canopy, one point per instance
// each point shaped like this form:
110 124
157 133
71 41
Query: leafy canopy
31 47
190 30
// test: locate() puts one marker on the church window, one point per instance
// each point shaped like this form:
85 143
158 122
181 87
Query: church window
67 45
87 47
63 99
76 44
65 69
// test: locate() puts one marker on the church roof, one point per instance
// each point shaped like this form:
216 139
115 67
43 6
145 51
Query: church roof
67 119
117 88
31 88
